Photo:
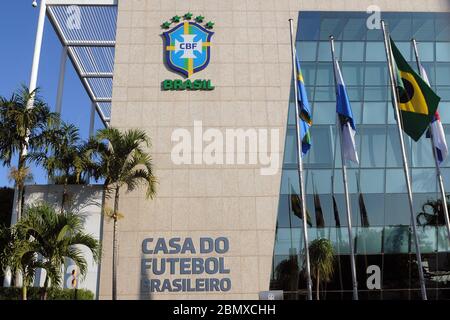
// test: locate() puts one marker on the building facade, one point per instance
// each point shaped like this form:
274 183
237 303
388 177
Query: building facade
220 226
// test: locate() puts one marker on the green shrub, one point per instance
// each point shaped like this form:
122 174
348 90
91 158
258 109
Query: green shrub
53 294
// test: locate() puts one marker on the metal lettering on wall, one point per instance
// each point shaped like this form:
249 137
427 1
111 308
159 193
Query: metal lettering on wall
197 268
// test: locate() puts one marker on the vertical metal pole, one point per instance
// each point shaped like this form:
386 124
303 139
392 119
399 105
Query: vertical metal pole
32 87
436 160
38 46
405 162
347 199
62 74
92 120
300 165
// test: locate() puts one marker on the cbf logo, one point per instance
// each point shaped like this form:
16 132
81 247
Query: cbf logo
187 48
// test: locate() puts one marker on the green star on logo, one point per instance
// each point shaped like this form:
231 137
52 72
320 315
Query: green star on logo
210 25
188 16
166 25
176 19
199 19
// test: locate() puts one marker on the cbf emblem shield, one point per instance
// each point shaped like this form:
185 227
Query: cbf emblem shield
187 48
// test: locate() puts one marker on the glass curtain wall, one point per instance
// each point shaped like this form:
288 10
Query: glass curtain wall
377 184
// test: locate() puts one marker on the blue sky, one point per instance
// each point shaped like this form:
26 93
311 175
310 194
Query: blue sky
18 21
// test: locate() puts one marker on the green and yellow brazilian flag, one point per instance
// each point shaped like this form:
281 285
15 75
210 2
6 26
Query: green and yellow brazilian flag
418 102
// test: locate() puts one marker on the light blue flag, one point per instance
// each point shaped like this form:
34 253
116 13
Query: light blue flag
344 111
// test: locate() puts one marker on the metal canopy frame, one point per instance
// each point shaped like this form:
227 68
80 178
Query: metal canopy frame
90 47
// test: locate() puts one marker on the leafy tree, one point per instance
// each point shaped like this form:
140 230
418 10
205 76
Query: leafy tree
123 162
18 253
321 255
23 120
57 237
65 158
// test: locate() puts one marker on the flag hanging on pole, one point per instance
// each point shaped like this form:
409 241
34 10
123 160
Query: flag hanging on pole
304 109
417 101
345 114
336 213
436 127
295 205
320 221
362 207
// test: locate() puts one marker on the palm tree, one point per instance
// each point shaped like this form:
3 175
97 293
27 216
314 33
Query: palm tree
18 253
22 124
321 255
65 157
123 163
58 237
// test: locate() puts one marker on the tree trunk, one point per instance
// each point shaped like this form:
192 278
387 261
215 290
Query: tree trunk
115 245
317 285
44 288
24 291
64 195
20 165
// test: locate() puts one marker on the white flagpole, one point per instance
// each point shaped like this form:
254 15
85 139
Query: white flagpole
405 162
436 160
347 199
300 165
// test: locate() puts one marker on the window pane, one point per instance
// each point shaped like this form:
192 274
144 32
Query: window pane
422 154
376 74
396 239
290 153
442 51
375 93
352 73
426 51
324 53
405 49
374 113
374 204
397 209
355 29
372 180
309 74
444 112
444 93
325 76
306 50
355 93
321 152
372 141
320 181
324 113
369 240
357 112
424 180
375 51
395 181
393 153
423 26
325 94
443 74
427 240
353 51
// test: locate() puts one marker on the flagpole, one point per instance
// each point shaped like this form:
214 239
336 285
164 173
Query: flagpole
436 160
405 162
290 220
347 199
300 165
